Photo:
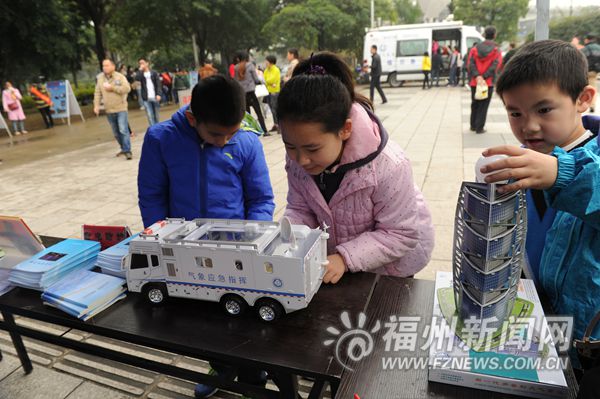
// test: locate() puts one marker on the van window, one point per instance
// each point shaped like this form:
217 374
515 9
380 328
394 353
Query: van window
139 261
167 251
203 262
411 48
171 269
154 260
239 265
268 267
471 41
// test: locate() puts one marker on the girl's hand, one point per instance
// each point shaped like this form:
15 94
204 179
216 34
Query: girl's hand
530 169
335 269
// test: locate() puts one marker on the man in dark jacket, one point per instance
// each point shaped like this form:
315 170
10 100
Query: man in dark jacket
485 60
151 90
376 75
591 50
436 67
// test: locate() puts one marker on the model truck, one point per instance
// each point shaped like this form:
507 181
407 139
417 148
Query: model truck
275 267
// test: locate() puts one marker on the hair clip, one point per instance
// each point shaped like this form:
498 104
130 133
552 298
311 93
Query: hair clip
315 69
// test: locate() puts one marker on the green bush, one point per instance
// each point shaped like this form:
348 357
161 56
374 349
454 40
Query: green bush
27 102
84 94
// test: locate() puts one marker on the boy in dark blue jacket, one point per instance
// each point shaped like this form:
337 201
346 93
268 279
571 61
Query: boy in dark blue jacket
545 90
200 164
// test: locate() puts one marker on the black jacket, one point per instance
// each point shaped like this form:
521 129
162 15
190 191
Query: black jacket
155 81
375 65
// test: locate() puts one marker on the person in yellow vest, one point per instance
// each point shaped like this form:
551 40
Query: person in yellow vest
426 68
272 77
42 103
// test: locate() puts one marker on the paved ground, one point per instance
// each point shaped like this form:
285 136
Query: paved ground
66 186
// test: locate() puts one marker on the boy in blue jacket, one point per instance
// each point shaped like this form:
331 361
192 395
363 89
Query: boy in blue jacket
200 164
545 90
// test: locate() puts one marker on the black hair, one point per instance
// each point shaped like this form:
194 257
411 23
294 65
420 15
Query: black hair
272 59
426 54
489 33
321 90
546 61
294 52
374 47
218 99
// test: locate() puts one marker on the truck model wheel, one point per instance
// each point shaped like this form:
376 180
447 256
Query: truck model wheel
269 309
233 304
156 294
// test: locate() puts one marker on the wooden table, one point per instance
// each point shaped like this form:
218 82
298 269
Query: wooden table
287 348
407 297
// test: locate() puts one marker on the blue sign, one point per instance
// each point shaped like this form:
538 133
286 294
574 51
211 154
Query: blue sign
58 95
193 78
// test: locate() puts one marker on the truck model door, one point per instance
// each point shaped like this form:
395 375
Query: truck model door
139 271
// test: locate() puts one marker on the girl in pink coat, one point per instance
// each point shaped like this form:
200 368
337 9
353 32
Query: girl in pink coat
344 172
11 102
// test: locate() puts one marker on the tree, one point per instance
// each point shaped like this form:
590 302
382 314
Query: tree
409 12
314 24
43 37
566 28
503 14
99 13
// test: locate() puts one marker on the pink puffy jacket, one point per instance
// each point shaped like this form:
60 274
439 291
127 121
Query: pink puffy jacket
378 219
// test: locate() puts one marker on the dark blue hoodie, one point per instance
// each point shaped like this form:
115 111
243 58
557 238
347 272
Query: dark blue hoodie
181 176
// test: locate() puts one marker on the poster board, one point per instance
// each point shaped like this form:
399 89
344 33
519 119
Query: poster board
4 125
64 102
185 97
193 78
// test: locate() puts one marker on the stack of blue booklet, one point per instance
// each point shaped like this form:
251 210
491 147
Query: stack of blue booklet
84 293
110 259
52 264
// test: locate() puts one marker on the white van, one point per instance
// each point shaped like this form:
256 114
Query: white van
401 47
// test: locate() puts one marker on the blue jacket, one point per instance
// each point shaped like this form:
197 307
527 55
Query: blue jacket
180 176
570 264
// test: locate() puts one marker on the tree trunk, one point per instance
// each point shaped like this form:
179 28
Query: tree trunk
74 73
100 33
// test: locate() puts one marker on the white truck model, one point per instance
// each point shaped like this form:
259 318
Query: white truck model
401 47
275 267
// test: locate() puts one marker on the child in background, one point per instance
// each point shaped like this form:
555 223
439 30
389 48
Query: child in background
545 90
426 67
344 172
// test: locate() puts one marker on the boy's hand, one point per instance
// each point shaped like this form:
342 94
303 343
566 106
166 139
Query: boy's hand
335 269
530 169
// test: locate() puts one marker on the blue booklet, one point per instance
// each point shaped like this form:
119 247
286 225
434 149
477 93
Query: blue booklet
85 288
84 293
51 264
59 254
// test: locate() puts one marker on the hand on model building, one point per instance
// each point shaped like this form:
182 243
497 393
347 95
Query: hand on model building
335 269
528 168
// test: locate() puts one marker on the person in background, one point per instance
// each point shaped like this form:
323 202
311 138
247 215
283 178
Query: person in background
292 57
151 90
11 102
512 49
112 89
591 50
436 67
376 75
426 68
207 69
43 103
485 60
272 77
181 81
459 65
245 74
167 83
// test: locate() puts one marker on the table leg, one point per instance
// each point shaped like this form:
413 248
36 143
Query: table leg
317 389
287 384
17 342
334 388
